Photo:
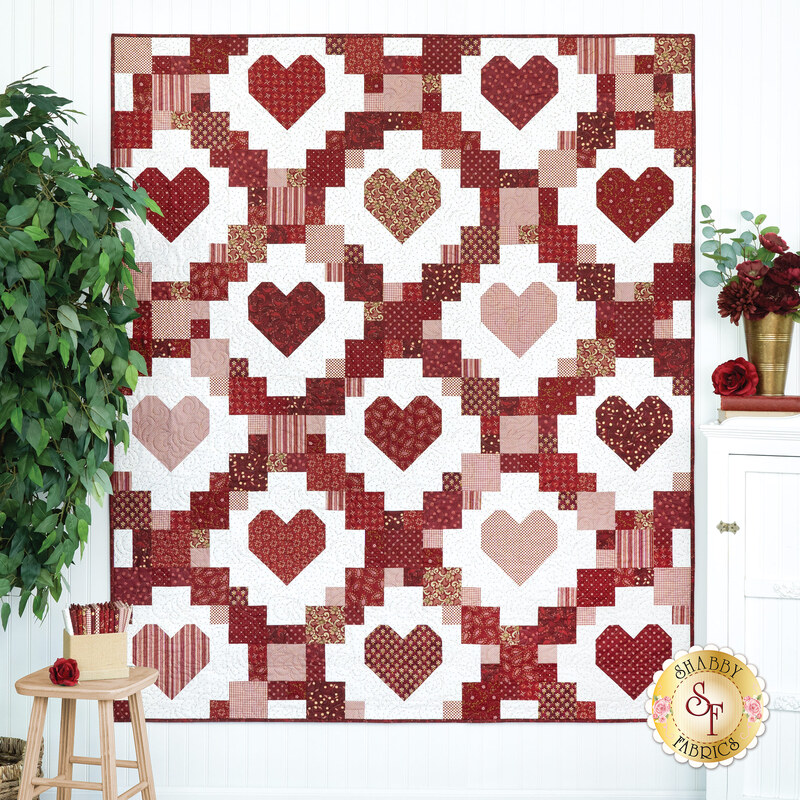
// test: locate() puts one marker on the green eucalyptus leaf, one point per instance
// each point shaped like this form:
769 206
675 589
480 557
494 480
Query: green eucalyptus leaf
711 278
705 211
748 215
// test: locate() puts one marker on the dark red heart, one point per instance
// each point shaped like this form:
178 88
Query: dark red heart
287 320
286 548
630 662
287 92
634 206
180 199
519 94
634 435
403 664
403 434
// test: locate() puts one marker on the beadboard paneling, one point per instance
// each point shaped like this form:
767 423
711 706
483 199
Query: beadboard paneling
744 50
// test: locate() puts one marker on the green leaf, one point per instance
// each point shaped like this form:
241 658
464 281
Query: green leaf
30 269
83 227
709 246
131 376
97 356
748 215
68 318
64 222
35 474
7 251
5 613
37 159
121 315
20 342
138 361
29 571
21 241
70 185
18 214
46 213
63 349
771 229
760 219
16 419
709 232
726 230
705 211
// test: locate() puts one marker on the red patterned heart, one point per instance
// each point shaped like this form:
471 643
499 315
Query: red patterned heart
287 548
519 94
634 206
180 199
403 664
286 92
287 320
178 658
403 434
634 435
630 662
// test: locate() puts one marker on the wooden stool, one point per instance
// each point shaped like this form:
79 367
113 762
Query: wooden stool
38 686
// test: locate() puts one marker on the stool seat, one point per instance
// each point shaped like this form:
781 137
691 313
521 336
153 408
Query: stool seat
38 684
105 692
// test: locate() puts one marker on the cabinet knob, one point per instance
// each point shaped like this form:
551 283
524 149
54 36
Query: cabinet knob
727 527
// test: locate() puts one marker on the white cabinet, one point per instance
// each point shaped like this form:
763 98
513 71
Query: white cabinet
753 586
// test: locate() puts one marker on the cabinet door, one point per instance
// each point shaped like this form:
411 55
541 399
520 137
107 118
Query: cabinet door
764 613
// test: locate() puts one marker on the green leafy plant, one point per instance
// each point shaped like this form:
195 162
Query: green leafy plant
757 272
66 294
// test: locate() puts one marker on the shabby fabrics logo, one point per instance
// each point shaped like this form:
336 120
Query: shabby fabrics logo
707 706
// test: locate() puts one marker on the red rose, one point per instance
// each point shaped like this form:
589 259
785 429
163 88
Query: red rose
785 270
776 298
773 242
65 672
735 377
751 270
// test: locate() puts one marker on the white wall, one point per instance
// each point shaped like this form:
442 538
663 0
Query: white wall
747 158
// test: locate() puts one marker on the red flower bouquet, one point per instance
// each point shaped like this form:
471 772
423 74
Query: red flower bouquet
757 272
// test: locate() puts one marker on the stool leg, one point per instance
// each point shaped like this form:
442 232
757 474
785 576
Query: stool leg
66 745
142 746
108 755
33 747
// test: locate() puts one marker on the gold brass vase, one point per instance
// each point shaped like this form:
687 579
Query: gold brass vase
769 342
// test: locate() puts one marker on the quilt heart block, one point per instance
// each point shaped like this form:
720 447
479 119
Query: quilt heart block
415 437
403 664
631 661
402 207
287 92
181 199
519 93
178 658
403 434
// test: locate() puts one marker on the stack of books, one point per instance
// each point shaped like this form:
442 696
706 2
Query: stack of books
758 406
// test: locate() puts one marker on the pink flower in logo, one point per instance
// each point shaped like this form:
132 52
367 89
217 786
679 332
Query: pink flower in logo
661 708
752 707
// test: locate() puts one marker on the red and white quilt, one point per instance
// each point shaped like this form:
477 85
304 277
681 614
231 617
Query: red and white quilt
415 442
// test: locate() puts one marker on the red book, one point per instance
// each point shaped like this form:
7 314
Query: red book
760 403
